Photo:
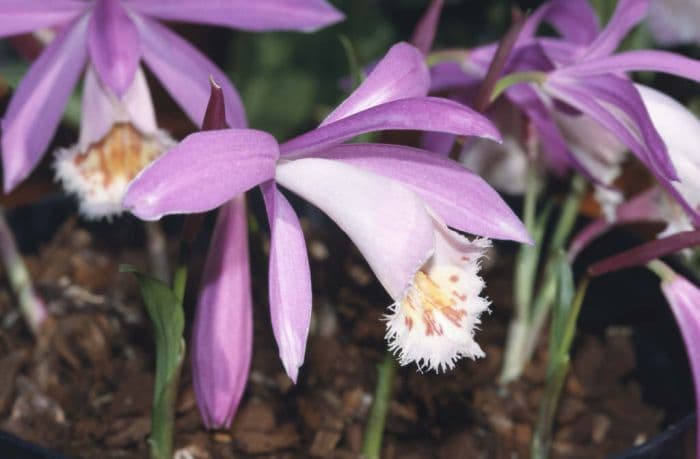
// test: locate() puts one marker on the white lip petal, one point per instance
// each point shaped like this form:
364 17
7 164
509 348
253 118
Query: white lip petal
100 173
434 323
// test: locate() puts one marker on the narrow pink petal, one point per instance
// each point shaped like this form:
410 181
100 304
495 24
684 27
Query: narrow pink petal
644 60
460 197
400 74
185 72
290 281
387 221
628 13
437 142
424 35
23 16
684 299
416 113
575 20
222 336
201 173
257 15
624 114
114 45
449 76
37 105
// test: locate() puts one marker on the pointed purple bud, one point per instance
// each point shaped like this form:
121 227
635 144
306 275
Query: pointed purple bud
424 35
215 115
222 337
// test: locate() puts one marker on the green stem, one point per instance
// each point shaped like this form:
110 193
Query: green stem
163 416
157 250
507 81
662 270
542 437
569 214
557 371
30 303
374 432
180 282
524 279
163 412
532 313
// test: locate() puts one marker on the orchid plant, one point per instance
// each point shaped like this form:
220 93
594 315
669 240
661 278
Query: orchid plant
515 114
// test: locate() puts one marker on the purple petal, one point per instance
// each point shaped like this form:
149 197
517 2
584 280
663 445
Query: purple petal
619 108
201 173
222 335
528 100
424 35
575 20
647 60
684 299
628 13
258 15
114 45
37 105
402 73
290 281
447 76
185 72
460 197
644 253
22 16
387 222
418 113
437 142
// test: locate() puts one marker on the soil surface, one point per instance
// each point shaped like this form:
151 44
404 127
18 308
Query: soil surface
84 389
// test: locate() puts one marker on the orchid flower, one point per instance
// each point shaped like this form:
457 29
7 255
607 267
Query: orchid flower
394 202
674 22
680 131
582 89
114 36
118 138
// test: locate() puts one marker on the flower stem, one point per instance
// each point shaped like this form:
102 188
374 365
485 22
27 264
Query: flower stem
524 279
557 370
157 250
30 303
374 431
532 312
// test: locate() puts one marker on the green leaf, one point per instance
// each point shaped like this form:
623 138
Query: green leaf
164 307
561 310
166 312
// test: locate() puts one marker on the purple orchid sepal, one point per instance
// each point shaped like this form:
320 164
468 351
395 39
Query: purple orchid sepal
684 299
115 35
222 335
382 201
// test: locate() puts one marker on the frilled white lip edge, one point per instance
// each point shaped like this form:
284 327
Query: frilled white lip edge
99 173
434 323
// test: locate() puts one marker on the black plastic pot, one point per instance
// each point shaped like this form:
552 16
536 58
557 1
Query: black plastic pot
666 445
12 447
